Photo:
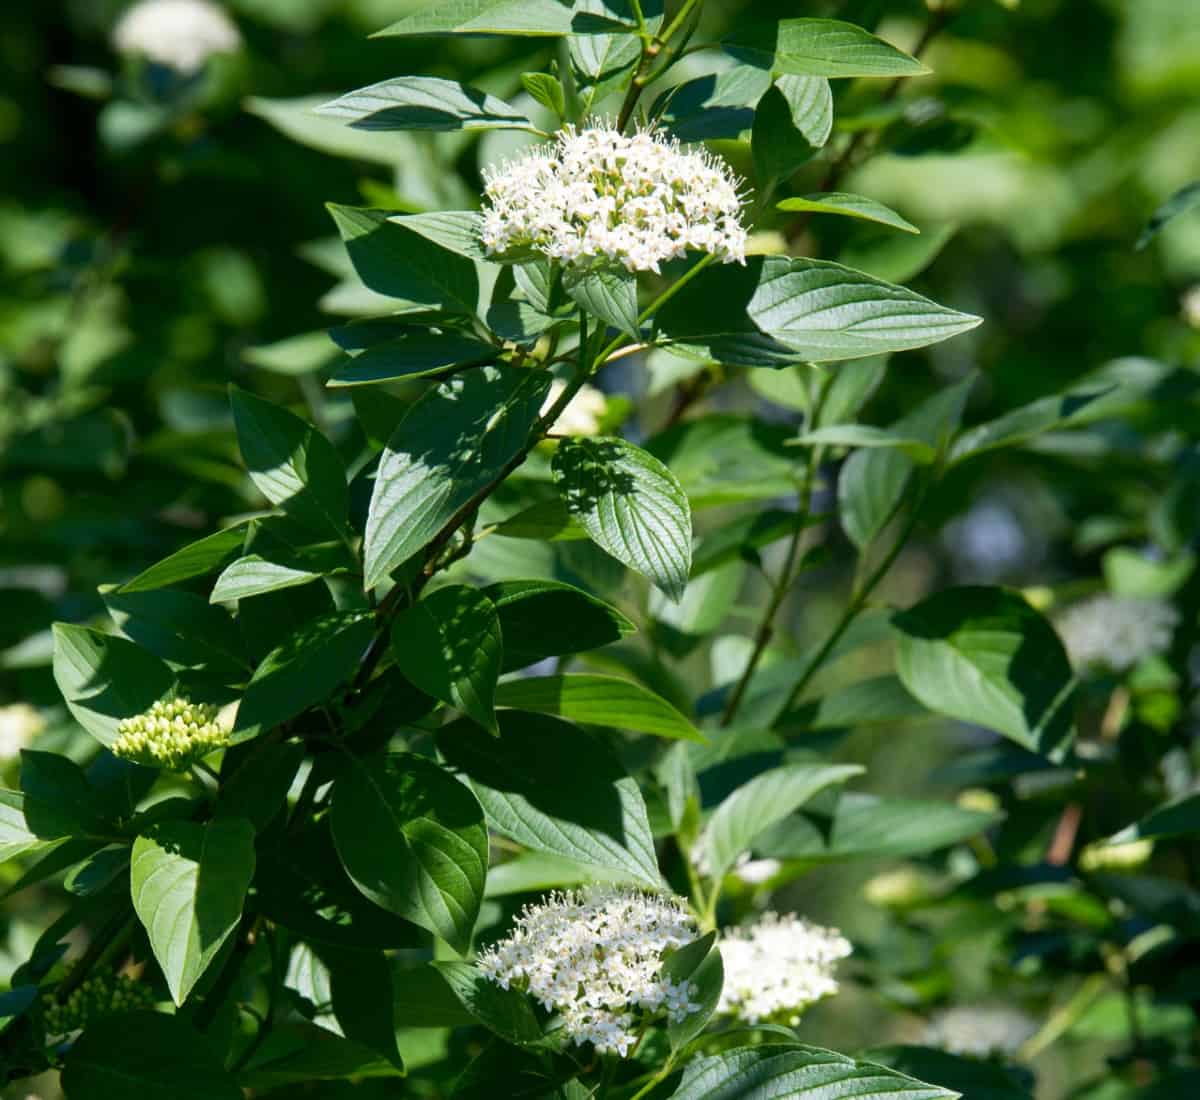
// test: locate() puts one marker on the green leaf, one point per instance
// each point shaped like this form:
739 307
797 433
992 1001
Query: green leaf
546 521
362 995
757 805
197 559
975 1078
598 701
253 575
546 90
59 800
503 1011
16 834
537 872
304 671
395 260
829 312
104 679
554 788
188 883
540 619
454 442
456 231
291 462
720 105
255 781
779 148
180 627
297 118
1183 199
1030 421
610 295
864 435
852 206
631 506
983 655
810 99
1130 573
421 997
866 827
424 103
699 964
792 1072
412 839
1179 817
819 47
449 645
869 702
873 481
415 355
301 1053
486 17
742 536
147 1055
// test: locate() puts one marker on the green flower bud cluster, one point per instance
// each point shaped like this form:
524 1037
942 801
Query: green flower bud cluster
171 734
97 997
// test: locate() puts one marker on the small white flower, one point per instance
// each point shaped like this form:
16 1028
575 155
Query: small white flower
595 957
1116 631
754 872
980 1031
778 966
180 34
596 197
19 725
583 413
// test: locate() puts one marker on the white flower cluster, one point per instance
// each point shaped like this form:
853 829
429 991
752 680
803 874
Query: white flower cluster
583 413
778 966
599 197
595 957
1116 631
172 734
180 34
980 1031
19 724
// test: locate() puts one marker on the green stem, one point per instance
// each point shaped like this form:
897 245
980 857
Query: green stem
618 342
787 576
681 15
571 104
858 600
657 1079
652 50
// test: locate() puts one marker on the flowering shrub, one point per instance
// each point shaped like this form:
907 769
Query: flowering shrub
564 675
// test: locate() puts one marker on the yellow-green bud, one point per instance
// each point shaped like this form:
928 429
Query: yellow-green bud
99 996
173 734
1116 857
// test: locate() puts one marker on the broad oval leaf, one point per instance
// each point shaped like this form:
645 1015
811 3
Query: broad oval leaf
188 882
147 1055
486 17
424 103
720 105
540 619
810 100
449 645
506 1012
631 505
413 355
104 679
778 146
829 312
609 295
554 788
197 559
454 441
413 840
755 806
850 206
304 670
253 575
598 701
819 47
291 462
793 1072
983 655
396 260
1179 817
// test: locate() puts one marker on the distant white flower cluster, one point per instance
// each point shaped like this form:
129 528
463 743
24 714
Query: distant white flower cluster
1116 631
599 197
980 1031
583 413
778 966
595 957
180 34
19 725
